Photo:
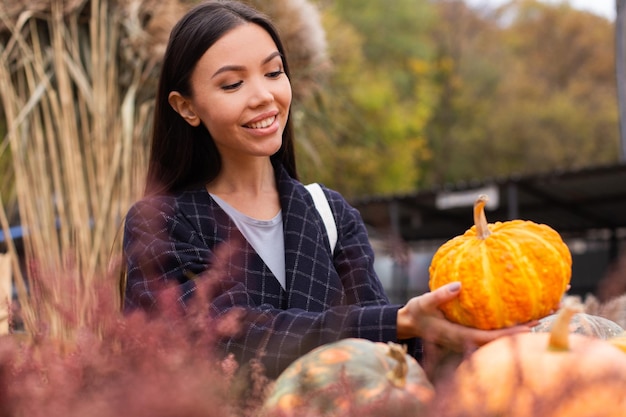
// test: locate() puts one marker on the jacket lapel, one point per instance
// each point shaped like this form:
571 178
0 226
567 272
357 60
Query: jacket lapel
311 279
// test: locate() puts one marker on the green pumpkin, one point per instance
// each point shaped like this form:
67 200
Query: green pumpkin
585 324
351 376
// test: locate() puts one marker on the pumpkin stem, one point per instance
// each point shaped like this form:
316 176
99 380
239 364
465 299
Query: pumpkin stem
480 220
559 335
397 376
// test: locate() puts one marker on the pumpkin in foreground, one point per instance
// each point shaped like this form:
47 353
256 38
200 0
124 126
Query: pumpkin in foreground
556 374
511 272
351 376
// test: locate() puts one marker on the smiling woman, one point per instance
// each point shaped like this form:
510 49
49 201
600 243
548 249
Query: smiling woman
225 217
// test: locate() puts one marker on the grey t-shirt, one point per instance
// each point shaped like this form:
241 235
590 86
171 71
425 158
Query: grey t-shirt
265 236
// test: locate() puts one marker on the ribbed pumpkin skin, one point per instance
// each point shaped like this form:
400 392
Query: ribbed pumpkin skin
585 324
516 274
348 376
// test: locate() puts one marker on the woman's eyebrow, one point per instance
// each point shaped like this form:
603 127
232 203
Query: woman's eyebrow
227 68
272 56
235 68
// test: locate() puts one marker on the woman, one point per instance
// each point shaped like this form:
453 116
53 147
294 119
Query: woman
223 204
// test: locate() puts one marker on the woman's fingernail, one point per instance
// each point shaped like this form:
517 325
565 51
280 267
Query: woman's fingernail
454 286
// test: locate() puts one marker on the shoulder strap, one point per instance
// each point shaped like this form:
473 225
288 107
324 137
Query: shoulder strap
322 206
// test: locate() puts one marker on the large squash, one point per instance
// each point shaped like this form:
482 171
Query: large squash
557 374
511 272
351 377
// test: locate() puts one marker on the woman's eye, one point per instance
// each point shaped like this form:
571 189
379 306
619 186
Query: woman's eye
275 74
232 86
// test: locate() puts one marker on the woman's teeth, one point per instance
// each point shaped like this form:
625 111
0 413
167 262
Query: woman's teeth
263 123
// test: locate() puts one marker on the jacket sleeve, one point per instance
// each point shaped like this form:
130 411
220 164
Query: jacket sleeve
278 337
354 261
162 252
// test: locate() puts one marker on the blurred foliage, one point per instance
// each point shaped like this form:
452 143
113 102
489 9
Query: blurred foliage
530 87
419 92
368 119
6 179
426 92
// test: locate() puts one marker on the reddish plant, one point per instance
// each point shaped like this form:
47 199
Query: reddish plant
163 364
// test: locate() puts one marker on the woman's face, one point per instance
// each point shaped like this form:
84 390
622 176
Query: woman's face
240 93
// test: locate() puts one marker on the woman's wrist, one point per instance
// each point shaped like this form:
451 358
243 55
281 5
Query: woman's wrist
406 328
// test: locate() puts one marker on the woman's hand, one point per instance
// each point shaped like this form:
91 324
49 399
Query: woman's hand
421 317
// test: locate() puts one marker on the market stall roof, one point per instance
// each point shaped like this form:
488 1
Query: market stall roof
572 202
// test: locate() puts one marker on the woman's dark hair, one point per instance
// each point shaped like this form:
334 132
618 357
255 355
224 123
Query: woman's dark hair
180 154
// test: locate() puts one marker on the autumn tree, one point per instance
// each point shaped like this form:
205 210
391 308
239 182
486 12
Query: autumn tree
467 75
368 121
528 87
563 85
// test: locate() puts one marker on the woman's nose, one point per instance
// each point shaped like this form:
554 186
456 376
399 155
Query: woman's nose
261 93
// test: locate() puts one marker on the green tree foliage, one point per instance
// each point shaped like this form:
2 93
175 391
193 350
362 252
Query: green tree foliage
528 88
467 76
566 68
368 120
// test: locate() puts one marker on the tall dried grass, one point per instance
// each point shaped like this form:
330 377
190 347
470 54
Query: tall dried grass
5 292
76 83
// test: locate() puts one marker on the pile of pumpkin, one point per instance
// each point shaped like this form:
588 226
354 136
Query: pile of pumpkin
571 364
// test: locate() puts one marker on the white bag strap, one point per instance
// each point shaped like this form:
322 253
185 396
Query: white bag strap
322 206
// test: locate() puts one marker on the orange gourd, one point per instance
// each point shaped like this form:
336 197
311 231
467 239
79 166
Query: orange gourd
557 374
511 272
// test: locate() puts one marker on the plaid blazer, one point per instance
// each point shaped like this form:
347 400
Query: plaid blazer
328 296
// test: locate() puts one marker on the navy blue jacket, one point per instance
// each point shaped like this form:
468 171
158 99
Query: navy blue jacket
329 296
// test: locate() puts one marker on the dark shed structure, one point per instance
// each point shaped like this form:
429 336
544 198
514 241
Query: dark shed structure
586 206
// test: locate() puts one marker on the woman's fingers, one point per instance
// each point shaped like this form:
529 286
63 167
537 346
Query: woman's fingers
461 338
432 300
430 324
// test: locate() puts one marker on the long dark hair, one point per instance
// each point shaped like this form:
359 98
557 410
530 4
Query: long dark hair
180 154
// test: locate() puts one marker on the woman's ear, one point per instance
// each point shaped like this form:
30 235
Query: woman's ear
184 108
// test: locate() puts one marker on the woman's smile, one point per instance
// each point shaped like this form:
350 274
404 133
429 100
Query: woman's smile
262 124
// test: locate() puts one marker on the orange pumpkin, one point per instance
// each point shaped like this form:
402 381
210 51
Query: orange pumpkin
350 377
511 272
557 374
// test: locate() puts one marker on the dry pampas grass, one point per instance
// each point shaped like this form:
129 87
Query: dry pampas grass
77 85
